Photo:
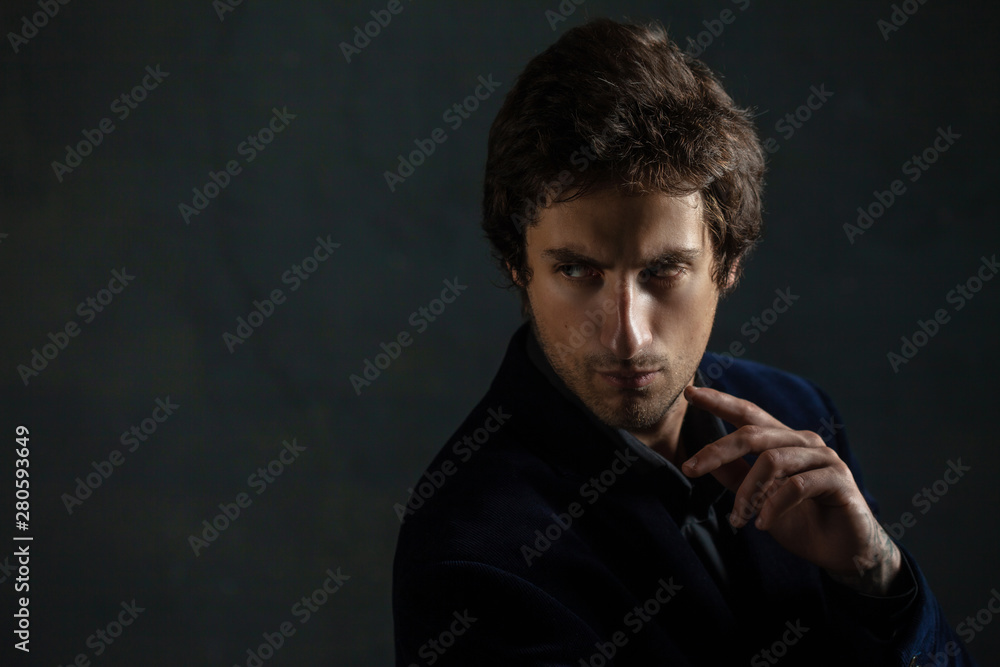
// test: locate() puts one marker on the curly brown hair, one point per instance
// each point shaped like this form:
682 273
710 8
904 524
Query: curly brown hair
621 105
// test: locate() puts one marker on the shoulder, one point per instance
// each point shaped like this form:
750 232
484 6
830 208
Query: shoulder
477 495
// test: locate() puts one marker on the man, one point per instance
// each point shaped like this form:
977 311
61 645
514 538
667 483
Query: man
620 496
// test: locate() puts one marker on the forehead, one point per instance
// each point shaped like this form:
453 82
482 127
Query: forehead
609 224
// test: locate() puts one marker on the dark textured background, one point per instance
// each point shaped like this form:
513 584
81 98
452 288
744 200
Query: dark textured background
333 507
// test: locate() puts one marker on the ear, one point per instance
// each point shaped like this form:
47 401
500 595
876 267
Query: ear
514 275
731 278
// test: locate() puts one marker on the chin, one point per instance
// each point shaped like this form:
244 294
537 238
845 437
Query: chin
630 409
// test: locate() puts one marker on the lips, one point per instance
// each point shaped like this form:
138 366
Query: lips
630 379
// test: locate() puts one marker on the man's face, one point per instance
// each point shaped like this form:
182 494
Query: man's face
622 300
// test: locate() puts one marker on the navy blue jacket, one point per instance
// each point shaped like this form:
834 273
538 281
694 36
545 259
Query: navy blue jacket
533 539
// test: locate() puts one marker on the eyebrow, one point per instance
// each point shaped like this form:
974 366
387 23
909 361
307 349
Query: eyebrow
568 255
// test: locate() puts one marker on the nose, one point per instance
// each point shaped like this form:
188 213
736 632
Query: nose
627 331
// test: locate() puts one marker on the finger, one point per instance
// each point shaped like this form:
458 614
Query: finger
732 474
820 484
770 468
736 411
745 440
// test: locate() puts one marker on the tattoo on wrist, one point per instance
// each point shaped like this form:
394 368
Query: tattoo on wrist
875 570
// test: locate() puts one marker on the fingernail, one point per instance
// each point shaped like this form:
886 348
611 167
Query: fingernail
734 521
691 463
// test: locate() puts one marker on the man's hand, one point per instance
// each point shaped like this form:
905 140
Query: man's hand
804 495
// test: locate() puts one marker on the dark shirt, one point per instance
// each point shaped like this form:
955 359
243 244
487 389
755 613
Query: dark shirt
511 559
696 504
692 502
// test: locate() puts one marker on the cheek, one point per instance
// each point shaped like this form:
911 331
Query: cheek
563 319
685 315
555 303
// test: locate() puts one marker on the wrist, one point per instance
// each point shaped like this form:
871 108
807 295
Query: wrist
874 572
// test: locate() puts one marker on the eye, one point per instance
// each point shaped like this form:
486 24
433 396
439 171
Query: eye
576 271
663 272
